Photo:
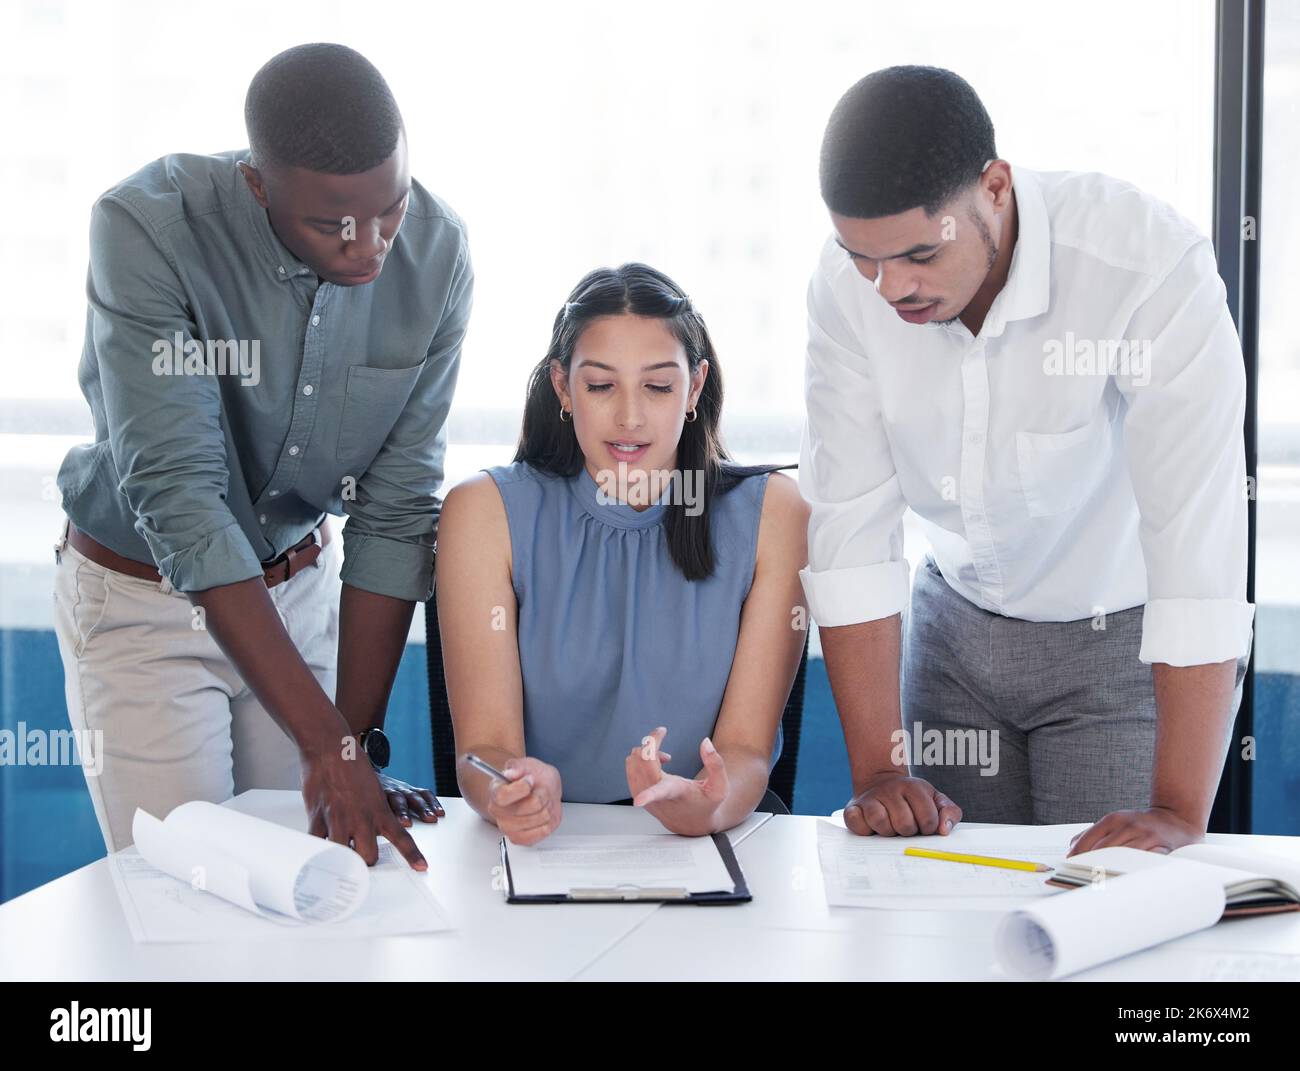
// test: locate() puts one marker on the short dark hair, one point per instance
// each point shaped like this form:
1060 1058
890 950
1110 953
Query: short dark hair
903 137
321 107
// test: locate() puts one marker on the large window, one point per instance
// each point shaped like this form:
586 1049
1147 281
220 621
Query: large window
1277 563
568 135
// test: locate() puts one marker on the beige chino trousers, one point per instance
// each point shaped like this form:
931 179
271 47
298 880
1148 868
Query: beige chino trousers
174 719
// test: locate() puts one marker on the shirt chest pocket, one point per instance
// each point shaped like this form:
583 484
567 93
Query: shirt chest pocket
1060 471
372 403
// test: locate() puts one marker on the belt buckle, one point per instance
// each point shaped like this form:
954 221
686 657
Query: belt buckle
289 558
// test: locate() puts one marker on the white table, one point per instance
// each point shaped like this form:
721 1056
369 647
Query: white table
73 928
789 933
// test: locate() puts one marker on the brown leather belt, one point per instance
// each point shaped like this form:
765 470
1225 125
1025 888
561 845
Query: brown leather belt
289 564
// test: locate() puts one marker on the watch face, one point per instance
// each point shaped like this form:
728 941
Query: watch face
377 748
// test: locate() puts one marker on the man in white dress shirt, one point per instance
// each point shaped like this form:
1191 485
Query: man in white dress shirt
1043 368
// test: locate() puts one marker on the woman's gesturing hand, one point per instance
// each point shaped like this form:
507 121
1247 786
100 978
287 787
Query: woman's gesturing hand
684 805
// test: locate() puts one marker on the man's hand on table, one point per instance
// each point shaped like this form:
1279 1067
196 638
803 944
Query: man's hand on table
347 804
407 800
892 804
1154 829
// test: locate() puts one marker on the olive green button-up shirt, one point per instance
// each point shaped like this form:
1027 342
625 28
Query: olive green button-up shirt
237 397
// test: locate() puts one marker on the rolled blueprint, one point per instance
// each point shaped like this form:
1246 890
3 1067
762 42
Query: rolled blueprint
260 866
1084 927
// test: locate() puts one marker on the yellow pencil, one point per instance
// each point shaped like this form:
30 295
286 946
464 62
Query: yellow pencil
978 860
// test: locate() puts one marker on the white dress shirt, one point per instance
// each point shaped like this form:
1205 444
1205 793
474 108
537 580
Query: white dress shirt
1048 491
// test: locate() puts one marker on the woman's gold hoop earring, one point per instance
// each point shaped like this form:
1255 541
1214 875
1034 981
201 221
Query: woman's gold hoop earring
564 415
692 416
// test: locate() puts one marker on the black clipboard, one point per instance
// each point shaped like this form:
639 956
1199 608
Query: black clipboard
625 894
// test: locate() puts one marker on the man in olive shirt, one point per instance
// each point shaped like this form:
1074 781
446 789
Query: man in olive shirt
273 335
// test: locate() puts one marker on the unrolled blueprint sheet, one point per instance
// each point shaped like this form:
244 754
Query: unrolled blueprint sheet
874 872
161 908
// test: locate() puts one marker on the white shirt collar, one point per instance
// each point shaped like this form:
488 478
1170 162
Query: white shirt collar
1027 291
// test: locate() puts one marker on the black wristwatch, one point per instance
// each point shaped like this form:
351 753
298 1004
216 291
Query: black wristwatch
375 744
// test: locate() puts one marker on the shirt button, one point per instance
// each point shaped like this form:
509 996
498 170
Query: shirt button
975 438
308 389
274 493
281 269
315 320
262 519
293 451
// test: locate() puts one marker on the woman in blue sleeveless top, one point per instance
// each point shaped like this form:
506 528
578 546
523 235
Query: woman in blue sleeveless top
621 585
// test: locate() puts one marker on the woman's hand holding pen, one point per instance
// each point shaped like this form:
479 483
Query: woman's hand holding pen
527 808
684 805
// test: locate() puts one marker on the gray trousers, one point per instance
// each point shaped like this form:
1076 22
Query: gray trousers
1063 711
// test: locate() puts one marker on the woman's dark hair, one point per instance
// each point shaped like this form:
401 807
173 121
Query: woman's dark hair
550 444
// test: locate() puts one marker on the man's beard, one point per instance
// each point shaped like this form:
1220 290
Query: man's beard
991 256
986 236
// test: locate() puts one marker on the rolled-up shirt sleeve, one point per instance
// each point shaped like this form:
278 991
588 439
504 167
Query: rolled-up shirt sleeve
1187 463
393 518
164 430
856 571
